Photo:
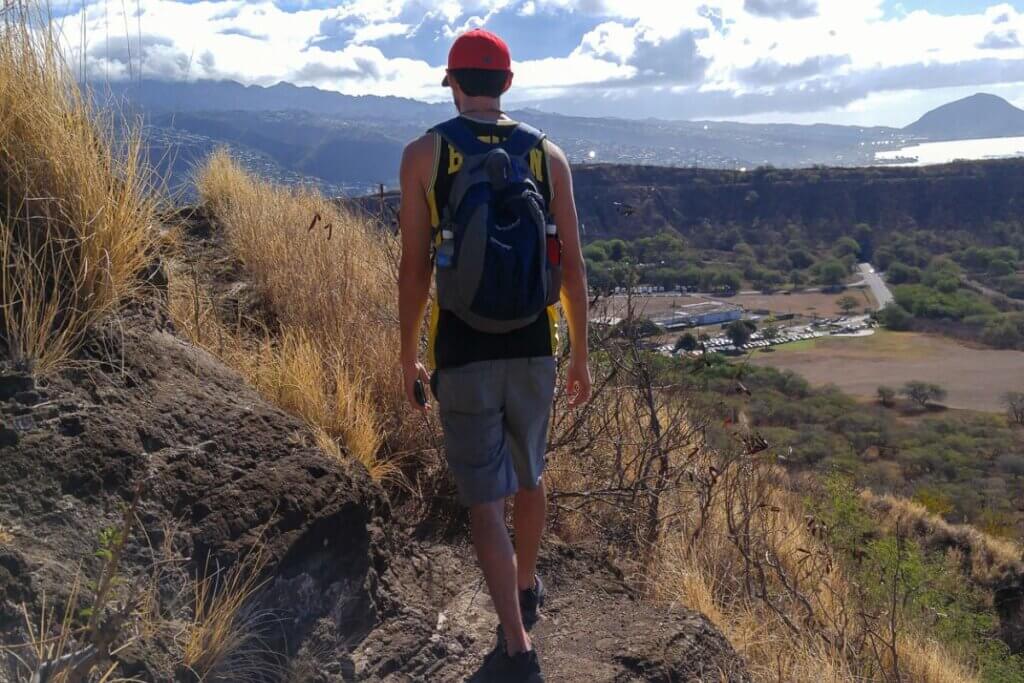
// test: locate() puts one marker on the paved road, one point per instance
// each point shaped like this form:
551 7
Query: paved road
879 289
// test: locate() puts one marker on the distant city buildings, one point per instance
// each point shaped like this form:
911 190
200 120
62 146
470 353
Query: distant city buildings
699 315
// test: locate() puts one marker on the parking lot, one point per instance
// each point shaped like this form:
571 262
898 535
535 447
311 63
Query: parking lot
852 326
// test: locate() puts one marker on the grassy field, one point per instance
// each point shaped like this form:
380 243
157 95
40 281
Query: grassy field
807 304
976 379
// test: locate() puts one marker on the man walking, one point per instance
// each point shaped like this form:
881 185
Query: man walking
489 201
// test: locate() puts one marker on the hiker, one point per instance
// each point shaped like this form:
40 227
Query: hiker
487 204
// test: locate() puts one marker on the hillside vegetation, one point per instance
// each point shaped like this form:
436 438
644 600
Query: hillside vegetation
325 279
766 205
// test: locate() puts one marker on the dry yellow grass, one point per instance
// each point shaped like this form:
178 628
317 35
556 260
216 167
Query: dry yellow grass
986 558
294 375
293 372
75 214
802 622
223 636
328 279
706 575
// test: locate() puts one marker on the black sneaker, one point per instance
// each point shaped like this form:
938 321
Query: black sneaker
530 602
523 667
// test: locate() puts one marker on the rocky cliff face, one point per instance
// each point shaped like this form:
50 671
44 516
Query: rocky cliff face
347 595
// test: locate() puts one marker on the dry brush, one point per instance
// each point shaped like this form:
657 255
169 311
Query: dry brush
76 210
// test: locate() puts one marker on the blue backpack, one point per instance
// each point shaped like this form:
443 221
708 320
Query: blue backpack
493 265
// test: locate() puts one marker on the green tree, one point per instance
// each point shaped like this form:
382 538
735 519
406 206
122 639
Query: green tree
740 331
1002 333
923 393
865 236
687 342
883 258
896 318
899 273
800 258
1015 407
617 250
887 396
847 303
743 249
728 281
832 273
1001 268
595 252
847 246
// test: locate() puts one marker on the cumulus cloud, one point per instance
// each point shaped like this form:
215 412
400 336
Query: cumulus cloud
770 72
319 72
710 58
146 56
1000 41
245 33
669 61
782 9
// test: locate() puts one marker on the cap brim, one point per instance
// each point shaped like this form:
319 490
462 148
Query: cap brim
445 83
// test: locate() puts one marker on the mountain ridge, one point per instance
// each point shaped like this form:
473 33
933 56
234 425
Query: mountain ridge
348 144
225 95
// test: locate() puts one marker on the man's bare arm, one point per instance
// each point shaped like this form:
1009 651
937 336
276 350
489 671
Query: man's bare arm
414 269
574 273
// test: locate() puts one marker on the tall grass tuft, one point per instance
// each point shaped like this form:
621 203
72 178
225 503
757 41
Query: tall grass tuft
223 640
327 279
75 210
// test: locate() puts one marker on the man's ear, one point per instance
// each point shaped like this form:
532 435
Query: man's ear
508 83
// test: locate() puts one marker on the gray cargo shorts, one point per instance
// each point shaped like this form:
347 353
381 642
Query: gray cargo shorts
495 416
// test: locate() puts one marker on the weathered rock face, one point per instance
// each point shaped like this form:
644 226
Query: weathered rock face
350 597
225 467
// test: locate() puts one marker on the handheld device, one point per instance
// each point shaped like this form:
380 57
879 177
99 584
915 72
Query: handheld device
420 392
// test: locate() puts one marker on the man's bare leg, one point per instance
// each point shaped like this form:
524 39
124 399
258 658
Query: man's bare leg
498 562
528 513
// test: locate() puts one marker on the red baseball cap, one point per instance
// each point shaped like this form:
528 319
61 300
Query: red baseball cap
479 49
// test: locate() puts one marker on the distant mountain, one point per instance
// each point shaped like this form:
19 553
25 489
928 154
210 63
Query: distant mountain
191 96
977 116
348 144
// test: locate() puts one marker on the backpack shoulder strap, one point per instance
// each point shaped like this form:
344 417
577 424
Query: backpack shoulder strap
457 133
523 139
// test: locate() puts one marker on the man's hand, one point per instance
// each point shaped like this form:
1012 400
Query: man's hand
577 384
412 371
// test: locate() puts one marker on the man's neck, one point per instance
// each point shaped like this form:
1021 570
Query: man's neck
482 108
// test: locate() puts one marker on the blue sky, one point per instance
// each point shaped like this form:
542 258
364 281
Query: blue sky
841 61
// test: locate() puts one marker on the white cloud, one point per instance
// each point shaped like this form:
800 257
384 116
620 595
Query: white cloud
374 32
773 54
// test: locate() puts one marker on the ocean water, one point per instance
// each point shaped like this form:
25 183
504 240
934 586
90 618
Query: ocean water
944 152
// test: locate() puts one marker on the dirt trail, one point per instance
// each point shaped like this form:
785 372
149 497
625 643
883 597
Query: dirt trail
593 628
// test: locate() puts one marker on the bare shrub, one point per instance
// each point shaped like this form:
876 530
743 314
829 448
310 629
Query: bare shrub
720 527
